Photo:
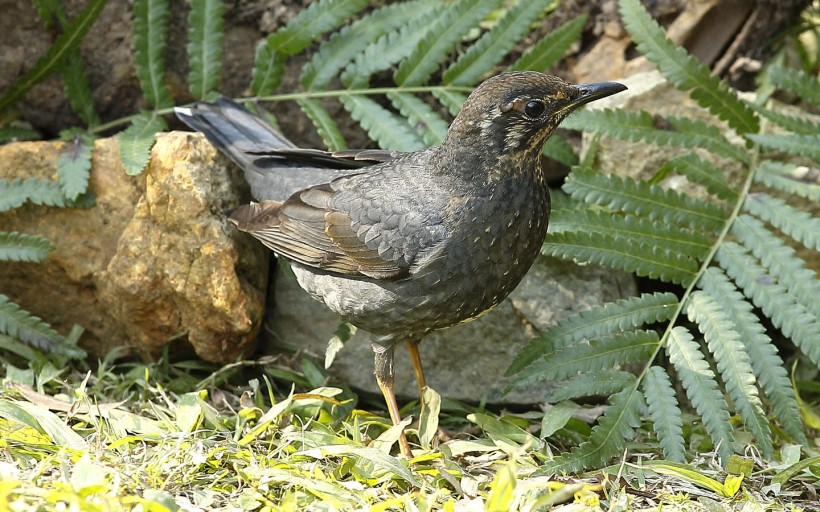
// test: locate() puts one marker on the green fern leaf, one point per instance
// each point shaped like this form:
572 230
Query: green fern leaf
204 46
494 44
601 383
596 322
702 172
151 34
440 39
598 354
701 387
801 125
350 40
551 47
55 57
665 413
766 363
17 133
806 87
452 100
684 71
268 67
785 312
136 141
642 199
690 243
324 123
787 178
16 246
19 323
780 261
77 90
560 150
386 128
608 438
14 193
640 126
74 165
428 123
310 23
733 364
805 145
797 224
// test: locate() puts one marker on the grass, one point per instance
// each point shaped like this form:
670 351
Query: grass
258 435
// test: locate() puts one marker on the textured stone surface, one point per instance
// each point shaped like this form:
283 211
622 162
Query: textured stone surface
152 260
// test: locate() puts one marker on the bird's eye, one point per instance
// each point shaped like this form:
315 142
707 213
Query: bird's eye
534 108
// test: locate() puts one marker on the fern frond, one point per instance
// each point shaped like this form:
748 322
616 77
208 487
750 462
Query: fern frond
204 46
766 363
325 125
494 44
56 54
151 34
16 246
74 166
798 224
614 428
596 322
310 23
795 124
268 67
601 383
665 413
560 150
419 114
453 101
733 364
16 192
136 141
440 39
702 172
787 178
805 145
640 126
780 261
684 71
621 253
642 199
598 354
551 47
701 387
341 48
785 312
77 90
804 86
389 130
19 323
690 243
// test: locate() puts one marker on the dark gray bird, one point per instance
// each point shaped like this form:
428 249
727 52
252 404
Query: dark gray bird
402 244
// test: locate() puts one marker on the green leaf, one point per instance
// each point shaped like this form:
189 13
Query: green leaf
310 23
665 413
204 46
77 90
788 178
428 419
494 44
805 145
556 418
43 421
621 253
16 134
324 123
796 124
560 150
551 47
150 35
595 322
16 246
733 364
452 100
390 131
804 86
419 114
136 141
14 193
701 387
702 172
268 67
599 383
440 39
684 71
798 224
19 323
74 166
62 47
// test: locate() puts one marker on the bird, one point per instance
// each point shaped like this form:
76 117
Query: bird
401 244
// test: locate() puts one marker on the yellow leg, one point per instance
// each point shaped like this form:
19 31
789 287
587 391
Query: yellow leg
415 356
384 378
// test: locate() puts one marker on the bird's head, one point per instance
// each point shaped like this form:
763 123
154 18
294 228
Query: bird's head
515 112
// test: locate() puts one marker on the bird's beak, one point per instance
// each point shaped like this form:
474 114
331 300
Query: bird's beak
595 91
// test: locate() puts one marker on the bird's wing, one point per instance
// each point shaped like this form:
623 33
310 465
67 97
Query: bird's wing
332 229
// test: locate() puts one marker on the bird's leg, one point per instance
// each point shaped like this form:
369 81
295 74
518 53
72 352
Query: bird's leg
384 378
415 356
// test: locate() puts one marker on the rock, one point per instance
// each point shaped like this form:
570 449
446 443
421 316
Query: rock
465 362
152 260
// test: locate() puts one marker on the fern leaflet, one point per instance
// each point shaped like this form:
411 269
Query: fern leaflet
453 101
798 224
698 170
701 387
204 46
600 383
16 246
151 33
428 123
74 165
324 123
383 126
310 23
804 86
801 125
268 67
665 413
135 142
805 145
560 150
788 178
551 47
19 323
14 193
